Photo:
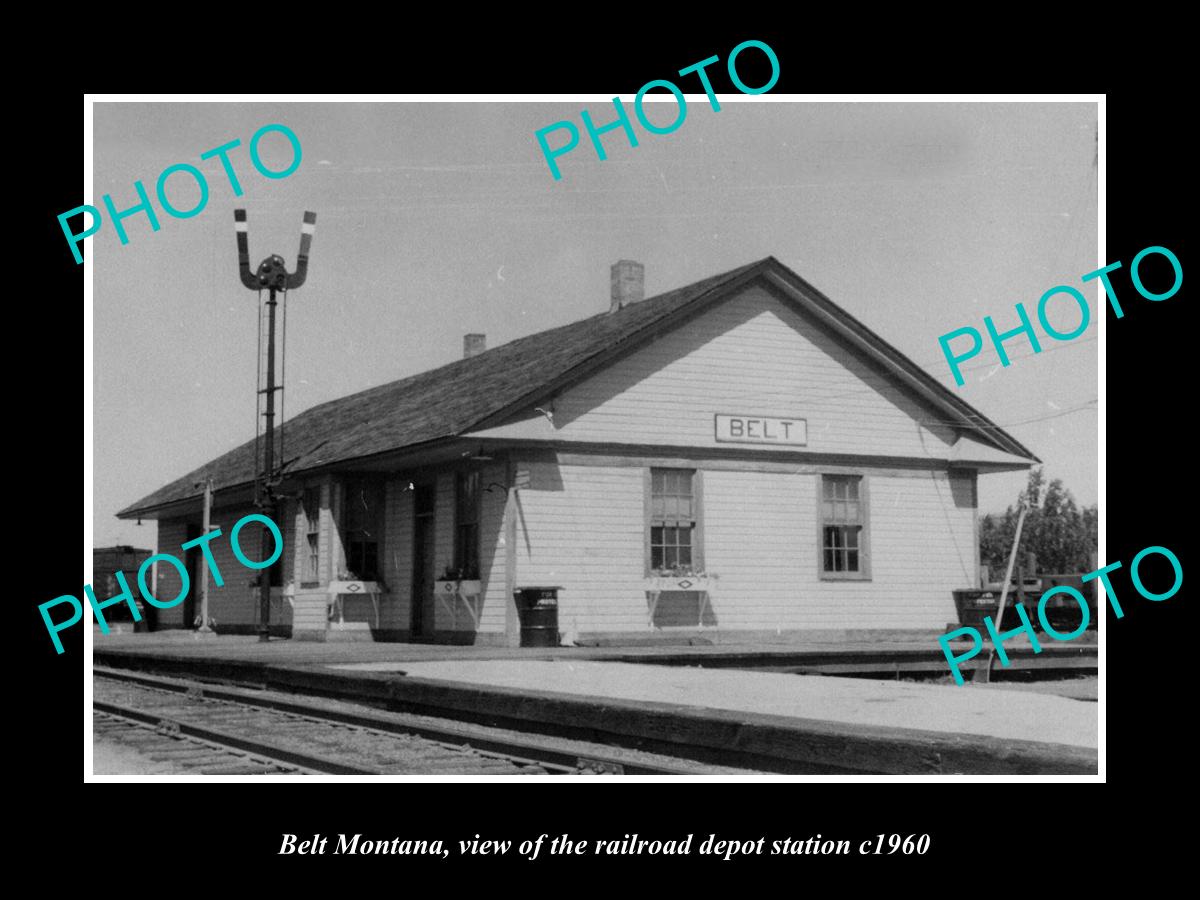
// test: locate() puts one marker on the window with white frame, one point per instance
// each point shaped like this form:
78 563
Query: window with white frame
674 515
843 527
312 532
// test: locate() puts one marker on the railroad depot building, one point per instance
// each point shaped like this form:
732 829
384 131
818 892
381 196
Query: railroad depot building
738 458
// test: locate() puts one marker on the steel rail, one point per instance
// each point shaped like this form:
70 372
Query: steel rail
271 752
530 750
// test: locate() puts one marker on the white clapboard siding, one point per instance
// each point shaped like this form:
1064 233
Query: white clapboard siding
750 355
310 615
295 537
761 536
760 541
587 538
493 550
326 568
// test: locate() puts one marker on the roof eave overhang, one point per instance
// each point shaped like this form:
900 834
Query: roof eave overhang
230 495
437 452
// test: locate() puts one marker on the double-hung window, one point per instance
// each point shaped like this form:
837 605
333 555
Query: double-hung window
843 527
312 532
674 515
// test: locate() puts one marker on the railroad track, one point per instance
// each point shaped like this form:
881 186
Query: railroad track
166 746
222 730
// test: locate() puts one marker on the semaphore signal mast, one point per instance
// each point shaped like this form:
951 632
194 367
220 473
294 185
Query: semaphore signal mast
273 277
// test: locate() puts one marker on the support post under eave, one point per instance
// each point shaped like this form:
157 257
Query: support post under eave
206 528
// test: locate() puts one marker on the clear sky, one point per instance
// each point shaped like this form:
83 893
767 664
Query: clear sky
437 219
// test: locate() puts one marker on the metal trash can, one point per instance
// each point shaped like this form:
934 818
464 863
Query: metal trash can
973 605
537 608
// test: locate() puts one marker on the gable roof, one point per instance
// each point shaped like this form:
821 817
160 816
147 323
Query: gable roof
455 398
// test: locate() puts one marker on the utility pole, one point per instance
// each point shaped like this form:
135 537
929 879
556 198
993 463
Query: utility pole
1012 558
272 276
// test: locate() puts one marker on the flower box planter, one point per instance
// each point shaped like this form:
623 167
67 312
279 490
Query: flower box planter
355 587
465 587
468 590
339 589
659 583
656 585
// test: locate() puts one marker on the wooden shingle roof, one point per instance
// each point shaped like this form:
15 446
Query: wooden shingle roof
454 398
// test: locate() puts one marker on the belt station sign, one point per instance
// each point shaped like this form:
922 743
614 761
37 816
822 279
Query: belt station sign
749 429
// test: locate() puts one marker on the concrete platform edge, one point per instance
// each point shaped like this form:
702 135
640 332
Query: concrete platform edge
803 742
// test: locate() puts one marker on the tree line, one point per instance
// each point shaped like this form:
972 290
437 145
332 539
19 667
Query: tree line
1062 534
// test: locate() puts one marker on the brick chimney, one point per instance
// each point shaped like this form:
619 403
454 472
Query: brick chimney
628 281
474 344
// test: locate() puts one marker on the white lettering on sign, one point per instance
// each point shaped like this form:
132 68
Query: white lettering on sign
761 430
